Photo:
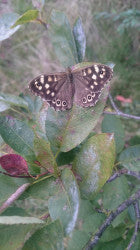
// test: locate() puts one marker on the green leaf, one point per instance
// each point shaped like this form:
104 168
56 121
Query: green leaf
16 211
13 230
77 240
34 105
92 223
44 189
121 243
131 213
49 237
18 136
66 157
6 21
80 39
1 141
66 130
12 220
113 233
28 16
86 224
94 163
135 140
65 204
118 244
7 187
37 104
112 124
130 158
62 38
44 154
114 194
3 106
11 100
86 209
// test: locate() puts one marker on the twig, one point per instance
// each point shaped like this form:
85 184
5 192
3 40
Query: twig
16 176
118 112
124 171
43 23
25 176
137 210
44 217
14 197
132 199
133 173
123 115
113 103
137 225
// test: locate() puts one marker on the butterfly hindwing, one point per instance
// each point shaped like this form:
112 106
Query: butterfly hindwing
89 82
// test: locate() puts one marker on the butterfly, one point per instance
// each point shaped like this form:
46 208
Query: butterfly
80 86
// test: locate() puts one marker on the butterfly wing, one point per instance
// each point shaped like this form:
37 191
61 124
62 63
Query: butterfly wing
55 89
89 82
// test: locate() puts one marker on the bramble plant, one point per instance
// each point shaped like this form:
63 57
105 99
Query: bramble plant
56 186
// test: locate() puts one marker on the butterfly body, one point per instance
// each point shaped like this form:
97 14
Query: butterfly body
81 86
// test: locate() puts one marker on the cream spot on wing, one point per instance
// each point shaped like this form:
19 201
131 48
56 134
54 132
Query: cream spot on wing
55 79
49 79
95 101
47 85
94 77
96 83
96 68
52 94
89 71
101 76
93 95
92 87
38 85
42 79
84 73
48 92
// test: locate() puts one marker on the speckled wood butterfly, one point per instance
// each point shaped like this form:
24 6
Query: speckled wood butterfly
81 86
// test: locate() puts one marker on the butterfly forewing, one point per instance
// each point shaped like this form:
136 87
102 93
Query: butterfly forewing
89 82
82 86
55 89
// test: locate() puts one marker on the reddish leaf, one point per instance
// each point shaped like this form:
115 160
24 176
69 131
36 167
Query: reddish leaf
14 164
123 99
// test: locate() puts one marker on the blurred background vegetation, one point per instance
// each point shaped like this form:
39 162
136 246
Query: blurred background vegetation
112 31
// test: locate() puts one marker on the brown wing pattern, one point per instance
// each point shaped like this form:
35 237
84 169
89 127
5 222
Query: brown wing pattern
82 86
89 82
55 89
